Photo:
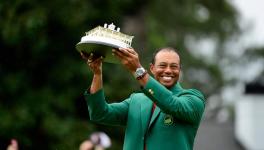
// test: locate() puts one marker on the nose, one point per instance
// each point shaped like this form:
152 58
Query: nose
168 70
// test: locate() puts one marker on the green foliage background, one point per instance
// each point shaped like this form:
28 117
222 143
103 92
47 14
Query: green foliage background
42 77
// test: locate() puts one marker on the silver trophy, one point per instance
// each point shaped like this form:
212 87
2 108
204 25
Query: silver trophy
100 41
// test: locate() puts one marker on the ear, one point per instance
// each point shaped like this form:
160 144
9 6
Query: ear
151 67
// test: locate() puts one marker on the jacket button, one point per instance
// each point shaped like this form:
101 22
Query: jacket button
151 91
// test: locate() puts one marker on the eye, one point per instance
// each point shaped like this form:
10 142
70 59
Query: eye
162 66
175 67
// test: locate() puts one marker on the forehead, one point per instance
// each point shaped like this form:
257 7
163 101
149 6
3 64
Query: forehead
167 56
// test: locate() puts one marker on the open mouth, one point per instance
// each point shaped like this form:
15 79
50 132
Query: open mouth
167 78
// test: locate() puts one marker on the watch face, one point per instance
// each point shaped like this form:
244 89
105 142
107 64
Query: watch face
140 71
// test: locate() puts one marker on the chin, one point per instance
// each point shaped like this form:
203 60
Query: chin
167 85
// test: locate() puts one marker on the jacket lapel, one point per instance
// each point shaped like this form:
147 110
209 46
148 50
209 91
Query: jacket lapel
154 116
175 89
146 110
145 114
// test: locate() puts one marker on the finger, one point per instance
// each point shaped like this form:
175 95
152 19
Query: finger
83 56
128 51
131 50
95 60
90 57
99 59
119 54
123 51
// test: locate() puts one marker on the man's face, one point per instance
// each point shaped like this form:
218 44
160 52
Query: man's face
166 69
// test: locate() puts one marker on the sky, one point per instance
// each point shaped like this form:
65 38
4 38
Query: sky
251 20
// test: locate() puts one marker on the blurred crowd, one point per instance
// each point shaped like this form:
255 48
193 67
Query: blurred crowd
96 141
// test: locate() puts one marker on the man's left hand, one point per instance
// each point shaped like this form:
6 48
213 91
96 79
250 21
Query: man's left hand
128 57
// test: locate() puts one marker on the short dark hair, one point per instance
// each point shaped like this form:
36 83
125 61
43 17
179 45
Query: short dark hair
153 60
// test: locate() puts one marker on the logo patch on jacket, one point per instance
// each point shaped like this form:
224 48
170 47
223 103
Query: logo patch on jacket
168 119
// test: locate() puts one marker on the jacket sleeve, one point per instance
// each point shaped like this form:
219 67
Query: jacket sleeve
102 112
188 105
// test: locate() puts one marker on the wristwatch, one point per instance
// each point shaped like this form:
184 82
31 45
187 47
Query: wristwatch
140 73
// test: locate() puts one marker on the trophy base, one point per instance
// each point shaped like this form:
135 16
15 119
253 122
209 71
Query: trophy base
99 49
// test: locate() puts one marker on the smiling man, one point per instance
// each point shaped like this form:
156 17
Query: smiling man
165 67
163 117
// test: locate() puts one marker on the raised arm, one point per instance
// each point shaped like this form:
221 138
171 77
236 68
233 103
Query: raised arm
187 105
96 66
99 110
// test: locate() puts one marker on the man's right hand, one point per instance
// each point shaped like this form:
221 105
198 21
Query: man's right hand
95 64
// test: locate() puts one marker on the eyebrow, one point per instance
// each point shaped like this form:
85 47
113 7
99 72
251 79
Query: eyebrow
167 63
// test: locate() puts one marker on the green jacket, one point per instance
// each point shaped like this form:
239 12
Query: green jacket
172 126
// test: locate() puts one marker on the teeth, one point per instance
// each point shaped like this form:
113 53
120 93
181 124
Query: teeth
167 78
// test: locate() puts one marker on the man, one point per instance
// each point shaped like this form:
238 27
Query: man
163 117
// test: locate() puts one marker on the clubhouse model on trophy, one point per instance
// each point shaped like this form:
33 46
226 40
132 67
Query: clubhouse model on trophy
100 41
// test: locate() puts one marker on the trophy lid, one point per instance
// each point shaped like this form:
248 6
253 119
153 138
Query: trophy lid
101 40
